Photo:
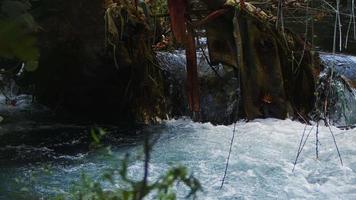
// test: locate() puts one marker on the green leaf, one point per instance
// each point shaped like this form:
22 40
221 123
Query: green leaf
15 42
94 136
31 66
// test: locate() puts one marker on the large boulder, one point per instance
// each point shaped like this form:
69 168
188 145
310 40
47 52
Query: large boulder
92 73
278 70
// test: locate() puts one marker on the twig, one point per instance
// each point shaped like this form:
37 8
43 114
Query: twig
209 63
305 35
301 117
228 158
353 17
238 94
335 143
279 13
301 141
147 149
317 140
347 33
336 25
340 25
301 147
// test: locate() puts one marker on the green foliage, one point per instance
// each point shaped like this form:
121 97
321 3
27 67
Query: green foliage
158 7
114 184
96 135
131 189
17 39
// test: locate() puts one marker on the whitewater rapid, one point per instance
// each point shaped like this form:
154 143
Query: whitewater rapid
260 166
262 159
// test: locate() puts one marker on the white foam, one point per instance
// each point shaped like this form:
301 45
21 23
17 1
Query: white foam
260 166
262 160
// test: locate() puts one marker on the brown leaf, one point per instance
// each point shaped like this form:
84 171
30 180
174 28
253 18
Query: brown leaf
267 98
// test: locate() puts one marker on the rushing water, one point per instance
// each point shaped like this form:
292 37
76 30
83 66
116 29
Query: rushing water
343 112
260 166
41 158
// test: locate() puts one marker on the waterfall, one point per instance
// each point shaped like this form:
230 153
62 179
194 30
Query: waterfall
343 109
217 86
217 109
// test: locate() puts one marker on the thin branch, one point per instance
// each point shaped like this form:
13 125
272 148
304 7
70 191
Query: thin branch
317 141
238 94
340 25
147 150
335 143
335 31
228 158
301 147
353 17
305 35
209 63
347 33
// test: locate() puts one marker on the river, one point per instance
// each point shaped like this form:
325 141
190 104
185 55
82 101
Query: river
41 158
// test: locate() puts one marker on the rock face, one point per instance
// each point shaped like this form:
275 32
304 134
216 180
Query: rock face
337 88
342 64
278 71
217 85
82 74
